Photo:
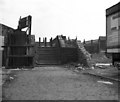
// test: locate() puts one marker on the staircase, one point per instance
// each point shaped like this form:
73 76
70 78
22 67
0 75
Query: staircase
47 56
84 56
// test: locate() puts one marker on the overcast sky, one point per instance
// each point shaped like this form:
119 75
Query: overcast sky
82 18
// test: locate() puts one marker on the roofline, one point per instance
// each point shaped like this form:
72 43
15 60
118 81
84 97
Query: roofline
6 26
113 9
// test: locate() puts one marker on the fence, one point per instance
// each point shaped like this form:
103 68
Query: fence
96 46
55 51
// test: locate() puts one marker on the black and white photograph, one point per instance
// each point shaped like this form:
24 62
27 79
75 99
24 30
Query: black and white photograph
60 50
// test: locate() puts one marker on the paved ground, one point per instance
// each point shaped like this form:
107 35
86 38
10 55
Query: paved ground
56 83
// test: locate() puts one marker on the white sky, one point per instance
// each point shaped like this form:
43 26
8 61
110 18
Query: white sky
82 18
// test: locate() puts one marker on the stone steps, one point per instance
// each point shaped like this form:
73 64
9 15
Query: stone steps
84 56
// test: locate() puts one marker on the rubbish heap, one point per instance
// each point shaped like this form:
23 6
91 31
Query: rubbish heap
84 57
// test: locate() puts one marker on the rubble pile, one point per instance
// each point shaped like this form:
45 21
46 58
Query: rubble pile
84 56
76 67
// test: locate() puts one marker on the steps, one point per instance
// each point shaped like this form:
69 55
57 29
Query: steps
84 56
47 55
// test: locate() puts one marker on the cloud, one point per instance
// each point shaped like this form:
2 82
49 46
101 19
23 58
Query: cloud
2 2
52 17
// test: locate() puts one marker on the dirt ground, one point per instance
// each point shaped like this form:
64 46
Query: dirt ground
100 58
56 83
0 83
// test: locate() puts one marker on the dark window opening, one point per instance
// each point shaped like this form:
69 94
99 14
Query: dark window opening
114 28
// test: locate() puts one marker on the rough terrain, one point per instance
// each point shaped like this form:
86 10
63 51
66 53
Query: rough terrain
56 83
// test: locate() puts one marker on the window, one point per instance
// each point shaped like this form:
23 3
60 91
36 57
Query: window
114 28
116 16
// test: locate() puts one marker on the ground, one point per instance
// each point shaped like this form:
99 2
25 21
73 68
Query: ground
56 83
65 82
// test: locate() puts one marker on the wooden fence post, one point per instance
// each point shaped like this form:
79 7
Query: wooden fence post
92 49
39 41
99 45
51 42
45 41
